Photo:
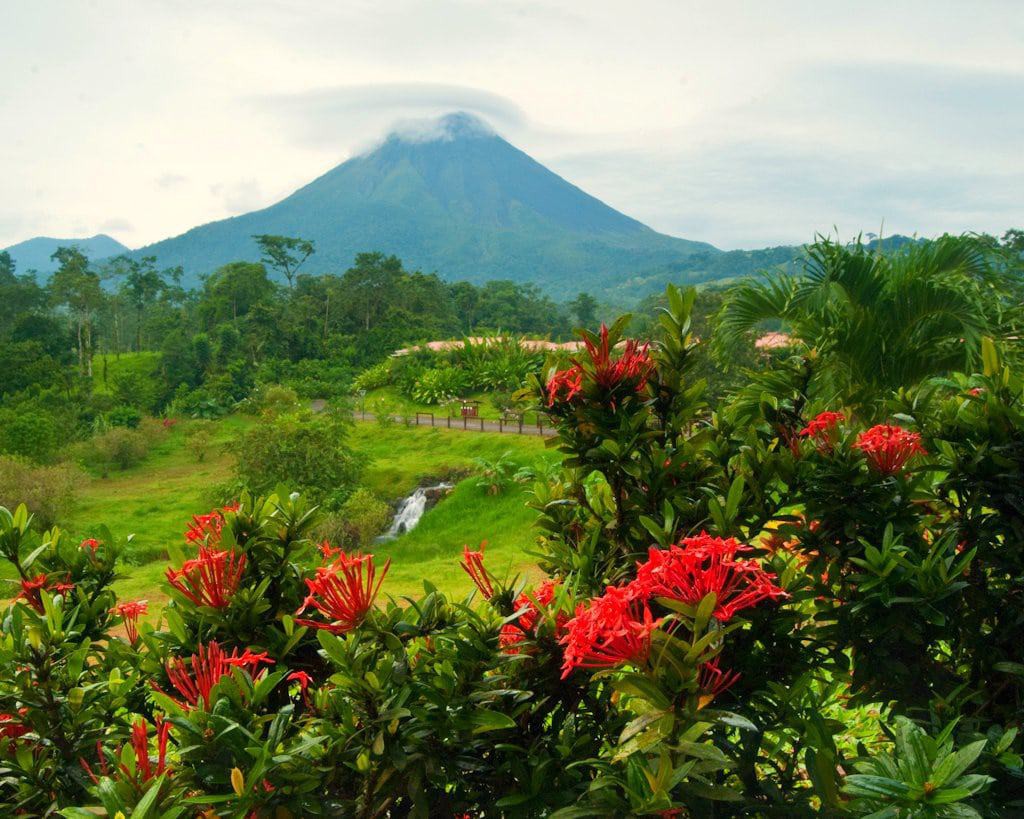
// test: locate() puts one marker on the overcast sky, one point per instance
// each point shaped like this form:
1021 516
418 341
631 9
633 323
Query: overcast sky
740 123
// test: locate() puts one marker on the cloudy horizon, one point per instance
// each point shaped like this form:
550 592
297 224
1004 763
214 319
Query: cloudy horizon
740 125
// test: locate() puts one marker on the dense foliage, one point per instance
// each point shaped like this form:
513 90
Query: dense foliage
772 608
198 353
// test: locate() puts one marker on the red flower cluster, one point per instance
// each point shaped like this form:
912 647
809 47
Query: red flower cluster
209 667
614 629
629 372
144 769
210 579
704 565
822 430
473 565
343 592
526 625
565 385
888 448
12 728
630 369
129 611
90 543
712 681
207 527
30 590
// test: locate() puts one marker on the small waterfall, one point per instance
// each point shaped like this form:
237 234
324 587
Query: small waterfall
411 509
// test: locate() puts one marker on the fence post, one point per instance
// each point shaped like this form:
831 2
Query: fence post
520 424
431 419
449 422
481 424
501 425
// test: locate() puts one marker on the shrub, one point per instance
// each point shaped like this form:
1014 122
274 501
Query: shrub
308 450
135 389
361 518
439 385
274 399
28 432
124 416
199 439
377 376
117 448
47 491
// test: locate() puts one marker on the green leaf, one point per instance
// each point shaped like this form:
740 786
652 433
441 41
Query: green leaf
874 786
485 720
955 764
148 801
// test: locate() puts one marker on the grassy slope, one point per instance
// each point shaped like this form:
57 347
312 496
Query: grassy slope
107 366
155 500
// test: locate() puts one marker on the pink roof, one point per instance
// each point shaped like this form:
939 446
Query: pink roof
458 344
773 341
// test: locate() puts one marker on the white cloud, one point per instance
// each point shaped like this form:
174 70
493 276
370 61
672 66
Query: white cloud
735 122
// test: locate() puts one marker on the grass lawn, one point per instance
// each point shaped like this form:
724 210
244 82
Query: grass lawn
155 500
401 457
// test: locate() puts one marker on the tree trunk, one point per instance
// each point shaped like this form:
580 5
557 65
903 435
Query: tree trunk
81 357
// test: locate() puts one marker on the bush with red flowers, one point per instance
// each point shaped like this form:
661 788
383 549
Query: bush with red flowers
754 611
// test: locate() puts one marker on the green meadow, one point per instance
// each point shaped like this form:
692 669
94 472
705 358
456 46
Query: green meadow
154 501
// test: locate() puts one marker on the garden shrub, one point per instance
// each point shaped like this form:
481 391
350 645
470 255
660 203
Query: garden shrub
775 609
305 449
435 386
29 432
117 448
47 491
274 398
360 519
377 376
124 416
199 439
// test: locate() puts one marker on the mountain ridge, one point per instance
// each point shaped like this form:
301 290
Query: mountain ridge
35 253
458 200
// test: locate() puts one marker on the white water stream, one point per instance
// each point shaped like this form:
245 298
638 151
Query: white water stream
410 510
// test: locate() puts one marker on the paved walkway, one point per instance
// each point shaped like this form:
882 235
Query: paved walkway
424 419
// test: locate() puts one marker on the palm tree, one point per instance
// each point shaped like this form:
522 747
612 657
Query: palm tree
872 322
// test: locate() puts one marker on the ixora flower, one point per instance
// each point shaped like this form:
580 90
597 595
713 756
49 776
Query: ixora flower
703 565
343 592
129 611
630 369
888 448
31 588
713 681
144 768
526 625
210 579
473 565
90 543
206 528
13 727
614 629
565 385
822 430
208 667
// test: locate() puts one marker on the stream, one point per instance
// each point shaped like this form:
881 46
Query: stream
411 509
